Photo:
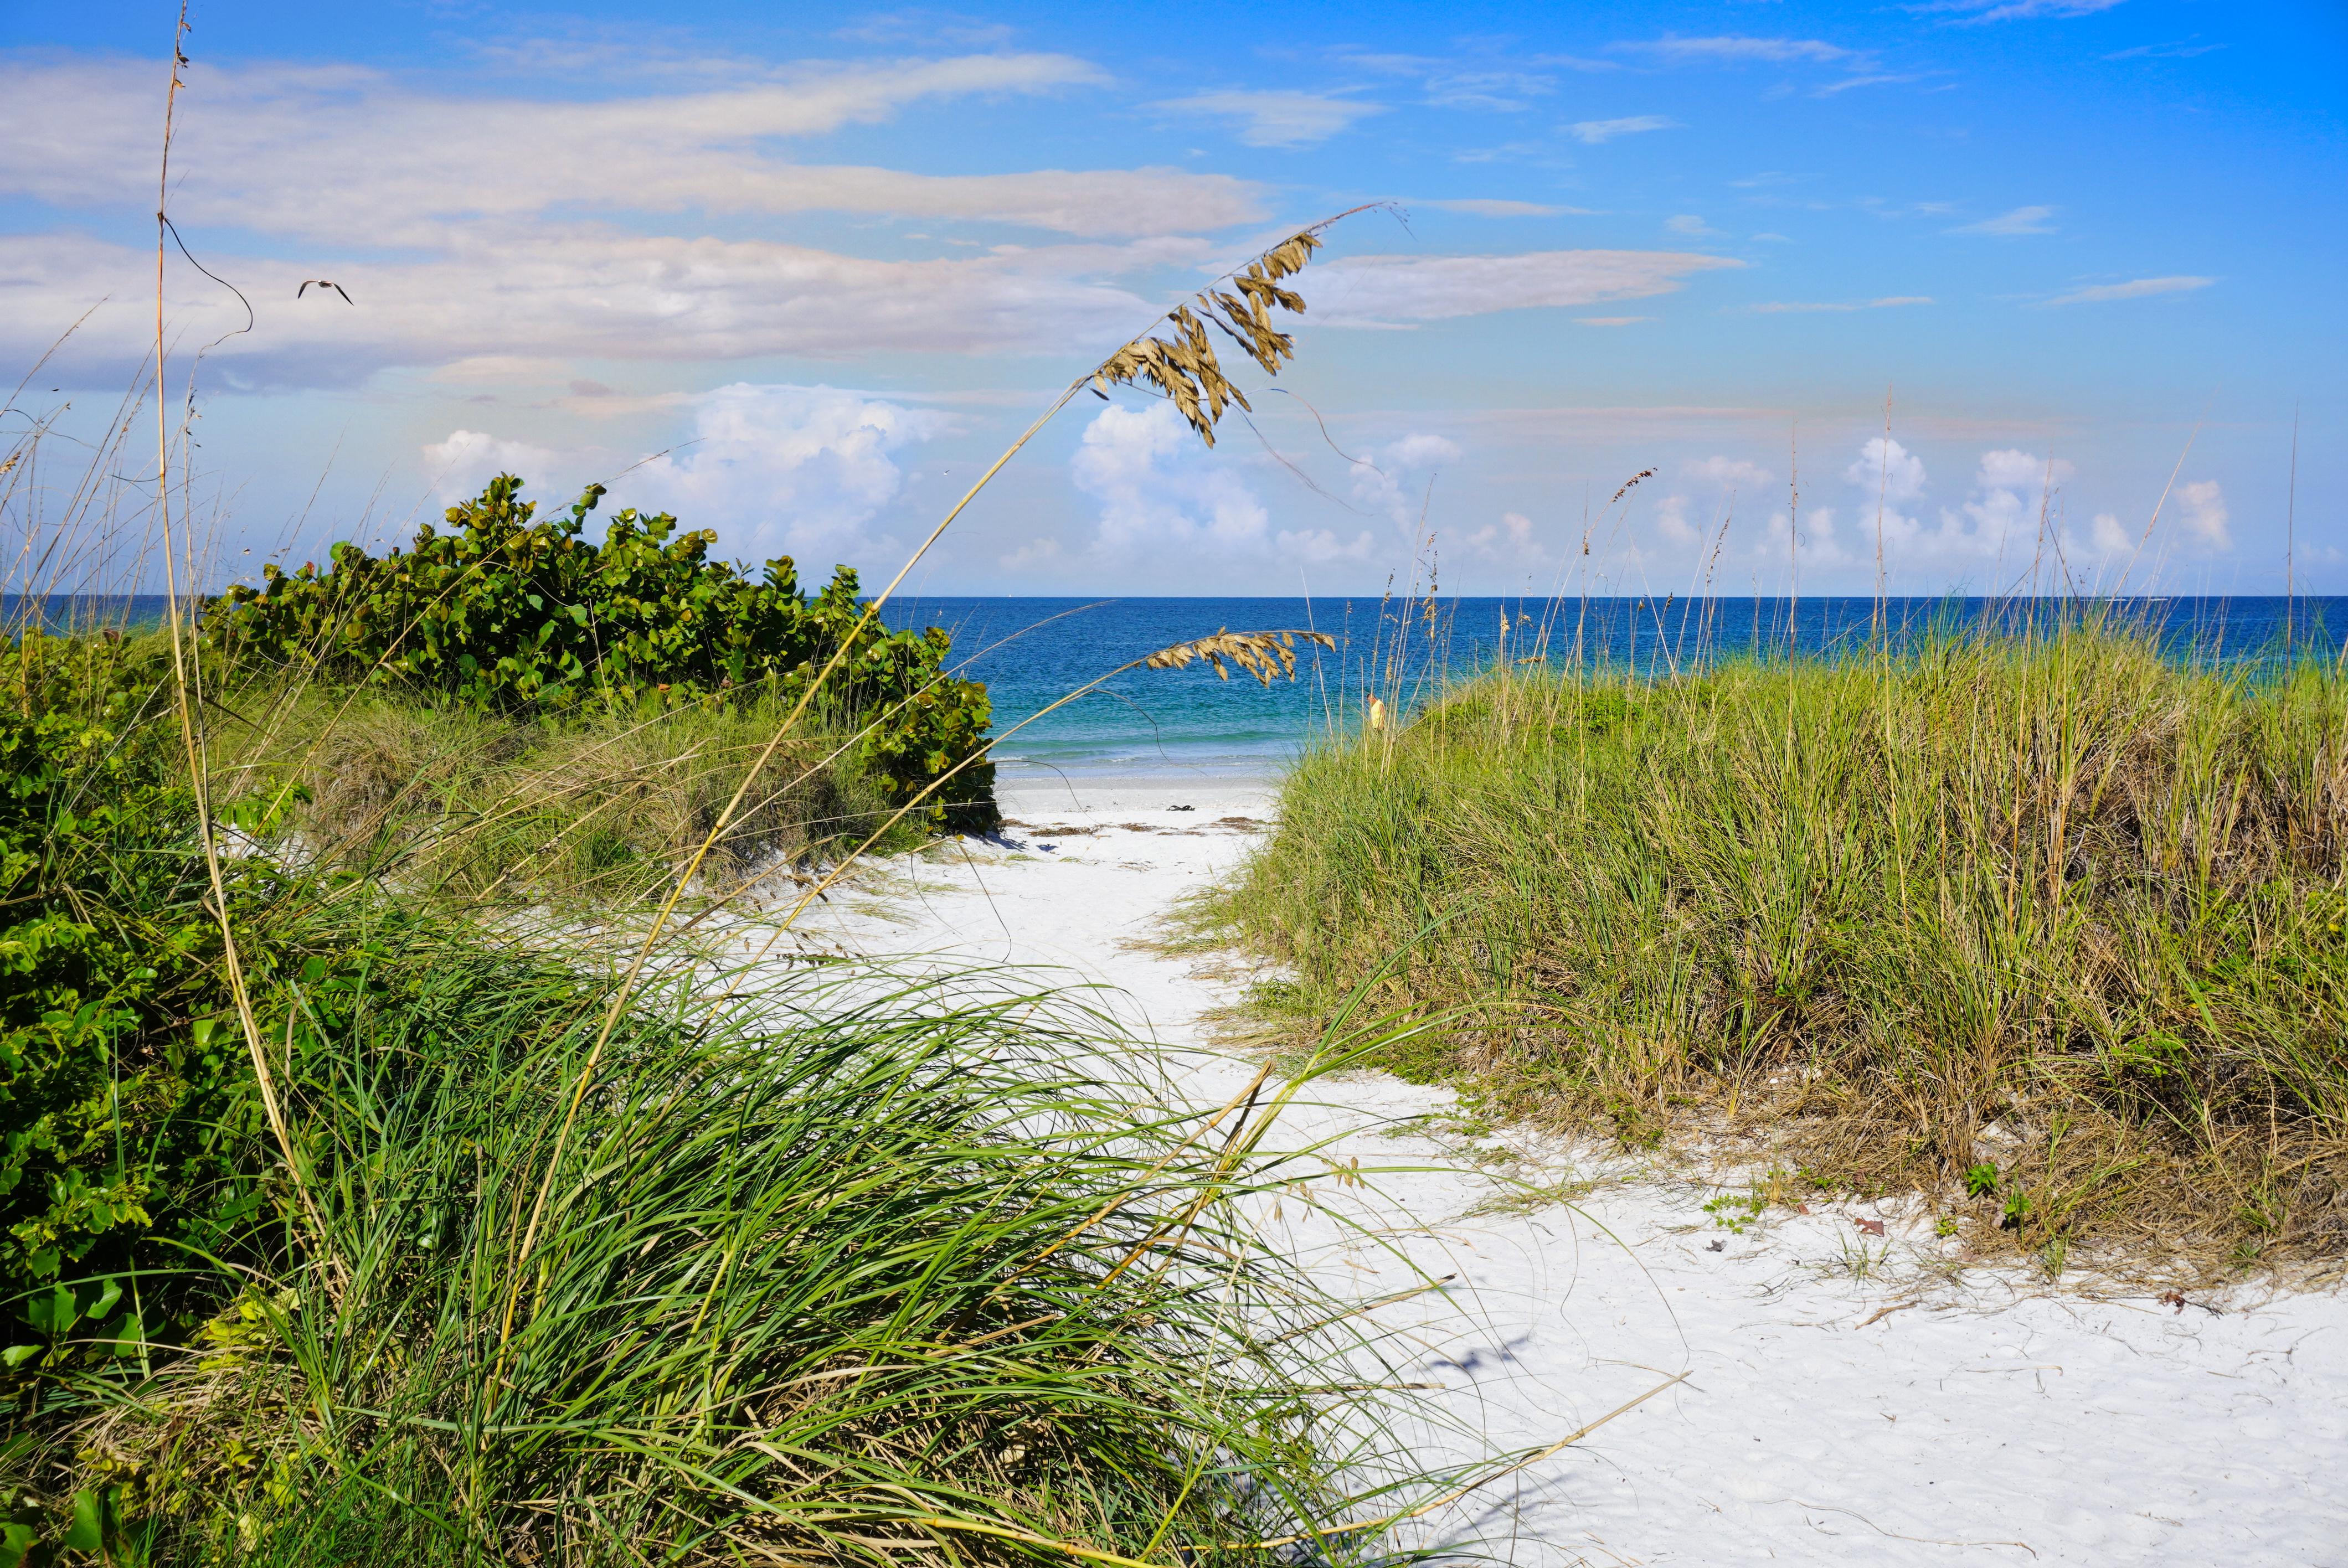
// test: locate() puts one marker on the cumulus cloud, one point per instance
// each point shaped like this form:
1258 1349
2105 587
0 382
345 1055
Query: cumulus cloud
775 469
343 154
1816 546
1163 497
1729 474
1597 131
1509 542
2021 220
1671 521
2139 289
2201 508
1392 478
786 470
1384 290
1277 118
1888 468
468 459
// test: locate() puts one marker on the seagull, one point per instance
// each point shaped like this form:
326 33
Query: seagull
309 283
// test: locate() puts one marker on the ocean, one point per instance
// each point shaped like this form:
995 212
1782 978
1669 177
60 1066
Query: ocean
1185 723
1179 724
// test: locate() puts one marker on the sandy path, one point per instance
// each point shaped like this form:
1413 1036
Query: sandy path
1824 1418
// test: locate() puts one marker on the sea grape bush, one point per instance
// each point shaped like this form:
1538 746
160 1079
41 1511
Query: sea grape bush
126 1112
506 611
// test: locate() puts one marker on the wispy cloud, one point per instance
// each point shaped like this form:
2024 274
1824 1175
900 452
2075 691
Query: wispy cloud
919 25
1740 48
2135 288
2009 10
1276 118
2021 220
1597 131
1876 80
1480 207
1507 91
2184 49
1691 226
1803 307
1394 291
347 155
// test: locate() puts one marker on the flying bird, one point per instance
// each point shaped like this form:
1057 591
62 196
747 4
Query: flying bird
309 283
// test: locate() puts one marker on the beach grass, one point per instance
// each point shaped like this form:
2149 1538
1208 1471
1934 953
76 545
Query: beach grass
458 804
2050 927
853 1268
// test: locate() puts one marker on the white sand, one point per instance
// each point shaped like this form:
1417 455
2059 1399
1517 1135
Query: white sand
1991 1419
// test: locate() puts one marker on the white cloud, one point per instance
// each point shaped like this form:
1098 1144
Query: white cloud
1597 131
1166 499
1791 307
1505 91
1481 208
2012 492
1671 521
786 470
1691 226
1730 474
1376 290
460 467
2108 539
1886 468
1873 79
1816 548
2139 289
774 469
2021 220
2201 508
1509 542
1277 118
549 294
1393 478
2182 49
2010 10
1738 48
917 25
345 155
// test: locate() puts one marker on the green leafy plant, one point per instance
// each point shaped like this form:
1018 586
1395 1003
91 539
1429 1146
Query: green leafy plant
510 612
118 1104
1737 1213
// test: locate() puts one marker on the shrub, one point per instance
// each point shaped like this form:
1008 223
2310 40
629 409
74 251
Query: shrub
122 1111
510 613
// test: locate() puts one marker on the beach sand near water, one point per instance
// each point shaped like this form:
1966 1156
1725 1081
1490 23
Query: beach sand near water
1842 1398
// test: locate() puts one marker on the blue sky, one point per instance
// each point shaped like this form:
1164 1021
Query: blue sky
817 270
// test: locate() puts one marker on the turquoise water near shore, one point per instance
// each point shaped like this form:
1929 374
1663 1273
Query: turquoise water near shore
1185 723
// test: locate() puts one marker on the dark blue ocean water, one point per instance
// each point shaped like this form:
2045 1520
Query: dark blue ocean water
1032 651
